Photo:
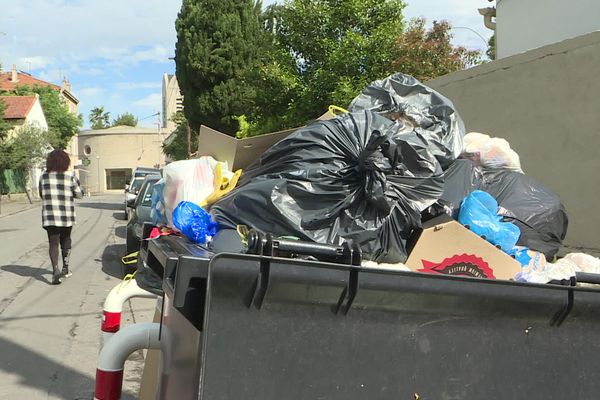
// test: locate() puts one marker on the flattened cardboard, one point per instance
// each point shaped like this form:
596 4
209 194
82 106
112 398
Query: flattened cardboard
240 153
446 247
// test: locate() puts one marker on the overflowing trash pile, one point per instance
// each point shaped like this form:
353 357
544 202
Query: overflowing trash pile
395 174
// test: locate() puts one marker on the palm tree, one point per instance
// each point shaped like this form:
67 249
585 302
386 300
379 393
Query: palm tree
99 119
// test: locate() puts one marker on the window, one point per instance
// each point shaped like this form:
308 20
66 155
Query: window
87 150
116 179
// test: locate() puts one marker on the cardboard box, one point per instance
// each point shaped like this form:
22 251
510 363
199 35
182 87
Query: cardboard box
240 153
444 246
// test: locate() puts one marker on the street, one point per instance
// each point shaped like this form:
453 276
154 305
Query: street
50 335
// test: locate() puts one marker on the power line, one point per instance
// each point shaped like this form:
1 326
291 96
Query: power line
150 116
475 32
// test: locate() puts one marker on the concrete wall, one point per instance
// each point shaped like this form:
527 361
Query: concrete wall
525 25
115 150
546 104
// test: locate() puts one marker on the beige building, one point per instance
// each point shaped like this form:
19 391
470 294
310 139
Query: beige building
110 155
172 101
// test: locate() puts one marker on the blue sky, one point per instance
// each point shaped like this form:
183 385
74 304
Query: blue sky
115 52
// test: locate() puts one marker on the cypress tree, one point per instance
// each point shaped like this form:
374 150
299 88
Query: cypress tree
217 46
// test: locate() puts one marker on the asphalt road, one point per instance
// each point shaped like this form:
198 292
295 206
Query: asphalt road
50 335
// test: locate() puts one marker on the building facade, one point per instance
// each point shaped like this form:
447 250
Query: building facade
110 155
172 101
525 25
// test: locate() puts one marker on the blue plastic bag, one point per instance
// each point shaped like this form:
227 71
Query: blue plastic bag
157 211
479 211
195 223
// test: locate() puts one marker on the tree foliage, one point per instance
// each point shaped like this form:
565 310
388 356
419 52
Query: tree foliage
426 54
5 126
127 119
99 118
338 48
313 53
25 149
217 44
176 147
62 124
491 51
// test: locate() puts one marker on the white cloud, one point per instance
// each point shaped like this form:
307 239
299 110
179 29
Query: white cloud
138 85
90 91
34 62
52 75
139 31
152 102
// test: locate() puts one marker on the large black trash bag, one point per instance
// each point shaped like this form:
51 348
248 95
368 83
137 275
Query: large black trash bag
402 96
534 208
360 176
461 178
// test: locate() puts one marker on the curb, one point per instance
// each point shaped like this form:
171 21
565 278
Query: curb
28 207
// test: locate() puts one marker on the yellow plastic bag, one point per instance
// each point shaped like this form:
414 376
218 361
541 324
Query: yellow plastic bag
222 186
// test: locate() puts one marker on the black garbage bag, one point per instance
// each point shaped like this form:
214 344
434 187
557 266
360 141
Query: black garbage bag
401 96
364 176
360 176
535 209
461 178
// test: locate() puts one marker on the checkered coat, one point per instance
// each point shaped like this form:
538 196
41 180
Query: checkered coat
57 191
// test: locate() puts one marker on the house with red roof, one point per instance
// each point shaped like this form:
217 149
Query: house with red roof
24 110
9 81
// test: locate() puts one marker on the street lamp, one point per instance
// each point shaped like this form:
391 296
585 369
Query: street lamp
98 173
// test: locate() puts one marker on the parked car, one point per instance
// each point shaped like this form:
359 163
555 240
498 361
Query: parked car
132 189
140 208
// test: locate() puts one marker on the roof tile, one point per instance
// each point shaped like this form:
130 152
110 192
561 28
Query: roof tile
17 107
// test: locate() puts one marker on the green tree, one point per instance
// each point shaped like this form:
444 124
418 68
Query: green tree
27 148
175 147
62 124
426 54
339 47
99 119
491 51
5 126
217 46
127 119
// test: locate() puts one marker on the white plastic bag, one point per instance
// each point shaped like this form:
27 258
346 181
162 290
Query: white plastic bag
585 262
490 153
539 271
189 180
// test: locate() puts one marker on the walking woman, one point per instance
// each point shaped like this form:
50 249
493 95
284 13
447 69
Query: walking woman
58 187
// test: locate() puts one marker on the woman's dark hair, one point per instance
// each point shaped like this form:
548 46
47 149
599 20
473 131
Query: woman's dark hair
57 161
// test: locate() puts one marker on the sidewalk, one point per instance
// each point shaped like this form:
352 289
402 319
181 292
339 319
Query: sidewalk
16 203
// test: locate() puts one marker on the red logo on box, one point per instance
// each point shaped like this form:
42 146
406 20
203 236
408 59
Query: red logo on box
462 265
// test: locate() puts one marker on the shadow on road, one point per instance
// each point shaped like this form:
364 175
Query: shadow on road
102 206
28 271
35 370
121 231
111 260
120 215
